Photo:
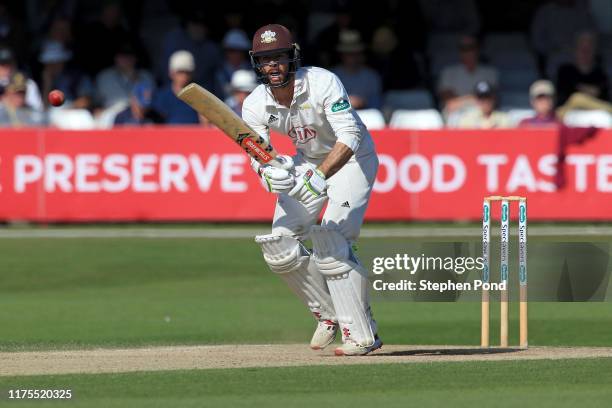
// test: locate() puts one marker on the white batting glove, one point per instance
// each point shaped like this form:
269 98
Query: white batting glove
309 186
286 162
274 179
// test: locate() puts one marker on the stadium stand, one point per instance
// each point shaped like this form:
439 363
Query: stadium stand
580 118
71 119
416 119
372 118
516 115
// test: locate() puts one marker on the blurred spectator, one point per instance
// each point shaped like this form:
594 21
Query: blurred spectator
556 23
56 74
243 83
98 41
585 74
8 67
235 49
582 101
362 84
14 112
484 116
542 97
40 13
601 10
458 81
60 31
233 17
114 85
325 42
398 65
12 32
451 16
165 102
140 111
192 36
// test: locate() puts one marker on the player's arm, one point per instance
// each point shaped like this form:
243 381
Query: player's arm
250 116
274 180
339 113
335 159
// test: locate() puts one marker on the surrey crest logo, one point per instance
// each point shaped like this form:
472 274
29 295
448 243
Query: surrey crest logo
268 37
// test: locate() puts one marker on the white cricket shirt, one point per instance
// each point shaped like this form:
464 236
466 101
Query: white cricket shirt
319 116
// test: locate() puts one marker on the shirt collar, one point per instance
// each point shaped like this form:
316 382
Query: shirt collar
299 87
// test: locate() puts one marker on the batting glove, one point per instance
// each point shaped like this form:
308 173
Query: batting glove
277 180
309 186
274 179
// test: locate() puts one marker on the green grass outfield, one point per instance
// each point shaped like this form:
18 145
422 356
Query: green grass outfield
111 292
563 383
65 293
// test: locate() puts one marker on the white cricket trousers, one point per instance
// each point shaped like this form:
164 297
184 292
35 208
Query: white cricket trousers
347 198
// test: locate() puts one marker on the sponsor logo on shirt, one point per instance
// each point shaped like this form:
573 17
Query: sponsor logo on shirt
272 119
302 134
340 105
305 106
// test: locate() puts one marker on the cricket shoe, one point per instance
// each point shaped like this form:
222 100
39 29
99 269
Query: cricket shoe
350 348
324 334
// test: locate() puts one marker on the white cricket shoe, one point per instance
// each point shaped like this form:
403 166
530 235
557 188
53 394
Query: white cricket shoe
350 348
324 334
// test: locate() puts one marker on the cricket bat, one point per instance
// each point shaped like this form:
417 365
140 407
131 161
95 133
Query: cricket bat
220 115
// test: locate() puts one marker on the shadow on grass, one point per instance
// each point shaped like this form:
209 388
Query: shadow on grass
447 352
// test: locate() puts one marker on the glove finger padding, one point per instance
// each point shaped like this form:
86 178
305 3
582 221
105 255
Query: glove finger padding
309 186
299 192
277 180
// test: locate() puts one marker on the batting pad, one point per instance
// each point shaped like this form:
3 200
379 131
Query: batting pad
287 257
347 282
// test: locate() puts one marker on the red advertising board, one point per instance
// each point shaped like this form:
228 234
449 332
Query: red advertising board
157 174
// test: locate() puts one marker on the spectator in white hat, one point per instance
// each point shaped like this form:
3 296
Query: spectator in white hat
542 97
235 57
244 81
172 110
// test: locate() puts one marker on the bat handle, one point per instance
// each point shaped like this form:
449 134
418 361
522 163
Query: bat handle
283 162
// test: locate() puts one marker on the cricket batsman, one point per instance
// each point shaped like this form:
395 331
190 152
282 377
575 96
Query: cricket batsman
335 164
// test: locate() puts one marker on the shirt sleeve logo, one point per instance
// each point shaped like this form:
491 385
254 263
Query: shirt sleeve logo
340 105
268 37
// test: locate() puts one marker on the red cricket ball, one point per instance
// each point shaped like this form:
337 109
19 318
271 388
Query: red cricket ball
56 97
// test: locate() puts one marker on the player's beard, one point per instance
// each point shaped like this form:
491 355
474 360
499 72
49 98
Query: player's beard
278 81
281 77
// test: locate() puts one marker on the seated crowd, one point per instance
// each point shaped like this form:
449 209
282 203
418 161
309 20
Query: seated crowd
119 83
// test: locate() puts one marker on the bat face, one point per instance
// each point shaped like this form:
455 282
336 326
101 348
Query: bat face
220 115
